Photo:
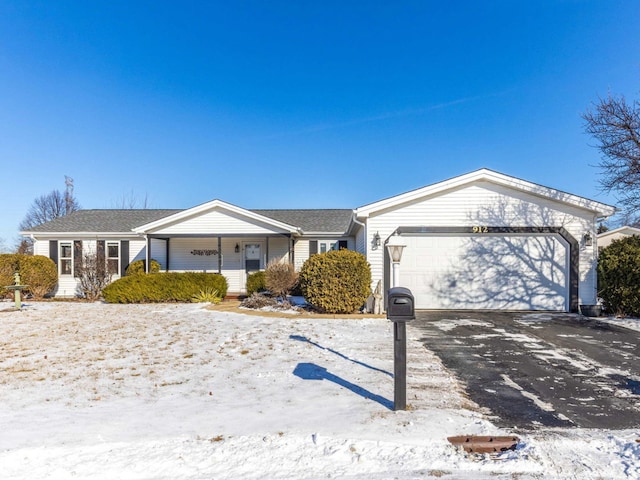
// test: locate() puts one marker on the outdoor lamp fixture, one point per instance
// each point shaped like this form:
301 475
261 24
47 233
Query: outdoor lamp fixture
237 249
376 240
588 240
395 245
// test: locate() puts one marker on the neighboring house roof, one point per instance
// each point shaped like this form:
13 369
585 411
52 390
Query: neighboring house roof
484 174
605 238
309 221
622 231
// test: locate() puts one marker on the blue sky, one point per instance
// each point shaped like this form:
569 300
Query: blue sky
300 104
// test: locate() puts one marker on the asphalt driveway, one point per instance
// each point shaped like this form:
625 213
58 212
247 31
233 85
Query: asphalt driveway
539 369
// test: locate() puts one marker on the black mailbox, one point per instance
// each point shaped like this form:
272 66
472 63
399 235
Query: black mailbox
400 306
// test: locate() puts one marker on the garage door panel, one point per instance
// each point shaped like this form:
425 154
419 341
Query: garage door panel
487 272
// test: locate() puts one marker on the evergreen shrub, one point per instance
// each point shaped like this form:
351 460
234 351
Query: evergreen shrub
137 267
38 272
619 276
338 281
256 283
164 287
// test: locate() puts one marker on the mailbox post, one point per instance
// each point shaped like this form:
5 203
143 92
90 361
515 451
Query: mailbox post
400 309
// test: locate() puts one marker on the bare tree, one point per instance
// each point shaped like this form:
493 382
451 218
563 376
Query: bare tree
615 123
48 207
93 275
131 201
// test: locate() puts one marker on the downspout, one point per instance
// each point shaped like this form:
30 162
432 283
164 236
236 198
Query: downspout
363 225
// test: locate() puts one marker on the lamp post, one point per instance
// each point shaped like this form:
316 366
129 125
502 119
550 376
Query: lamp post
395 246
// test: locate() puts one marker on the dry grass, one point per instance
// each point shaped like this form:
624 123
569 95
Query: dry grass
233 306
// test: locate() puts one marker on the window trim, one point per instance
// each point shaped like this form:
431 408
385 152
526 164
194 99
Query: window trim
62 258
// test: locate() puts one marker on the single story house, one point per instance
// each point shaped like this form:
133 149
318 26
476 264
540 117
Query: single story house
483 240
605 238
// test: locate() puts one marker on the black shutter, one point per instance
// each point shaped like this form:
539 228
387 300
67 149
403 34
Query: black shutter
342 244
100 256
53 251
313 247
124 257
77 258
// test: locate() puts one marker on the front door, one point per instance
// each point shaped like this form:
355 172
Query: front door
252 257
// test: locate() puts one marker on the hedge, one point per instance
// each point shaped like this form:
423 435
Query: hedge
163 287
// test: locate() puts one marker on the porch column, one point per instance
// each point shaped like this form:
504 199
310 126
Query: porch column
220 255
167 253
148 255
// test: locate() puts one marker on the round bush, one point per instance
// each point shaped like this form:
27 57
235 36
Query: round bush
256 283
137 267
39 273
619 276
8 266
338 281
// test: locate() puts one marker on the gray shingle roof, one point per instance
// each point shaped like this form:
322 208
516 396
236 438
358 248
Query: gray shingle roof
120 221
329 220
102 220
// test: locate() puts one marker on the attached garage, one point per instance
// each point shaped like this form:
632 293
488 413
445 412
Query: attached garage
487 241
488 271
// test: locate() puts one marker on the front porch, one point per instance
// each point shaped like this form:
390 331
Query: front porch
233 256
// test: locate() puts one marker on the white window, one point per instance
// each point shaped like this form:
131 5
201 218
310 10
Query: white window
66 258
113 257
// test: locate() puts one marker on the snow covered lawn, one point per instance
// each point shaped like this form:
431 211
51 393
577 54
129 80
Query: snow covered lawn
182 392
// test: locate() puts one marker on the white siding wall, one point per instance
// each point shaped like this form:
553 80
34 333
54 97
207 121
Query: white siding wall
486 204
137 250
301 253
278 248
181 259
217 222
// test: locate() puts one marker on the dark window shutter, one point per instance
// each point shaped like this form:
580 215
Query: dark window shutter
53 251
313 247
77 258
342 244
124 257
100 258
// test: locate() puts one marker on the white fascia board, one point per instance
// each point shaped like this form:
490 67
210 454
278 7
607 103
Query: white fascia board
487 175
323 234
77 235
212 205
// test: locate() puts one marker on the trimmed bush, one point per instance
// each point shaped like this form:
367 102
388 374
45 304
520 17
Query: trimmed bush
280 278
619 276
163 287
256 283
338 281
138 267
38 272
8 266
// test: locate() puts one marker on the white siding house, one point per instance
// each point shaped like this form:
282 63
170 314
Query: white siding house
483 240
605 238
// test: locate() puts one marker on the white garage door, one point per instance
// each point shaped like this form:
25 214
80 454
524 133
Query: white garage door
495 272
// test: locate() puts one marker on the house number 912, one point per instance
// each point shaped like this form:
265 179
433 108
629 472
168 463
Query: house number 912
479 229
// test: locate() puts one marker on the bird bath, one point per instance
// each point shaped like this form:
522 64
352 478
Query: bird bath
17 288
